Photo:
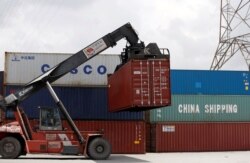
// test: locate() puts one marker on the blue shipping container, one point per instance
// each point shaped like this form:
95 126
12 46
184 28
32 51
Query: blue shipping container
82 103
205 82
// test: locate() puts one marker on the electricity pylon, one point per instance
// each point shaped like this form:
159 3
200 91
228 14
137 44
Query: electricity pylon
234 36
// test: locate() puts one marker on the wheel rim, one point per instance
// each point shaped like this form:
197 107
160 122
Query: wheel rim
9 147
99 149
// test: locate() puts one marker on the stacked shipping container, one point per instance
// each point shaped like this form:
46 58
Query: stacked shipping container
84 93
204 108
198 82
199 136
209 110
83 103
20 68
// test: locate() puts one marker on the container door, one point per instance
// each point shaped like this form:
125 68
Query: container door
141 82
160 82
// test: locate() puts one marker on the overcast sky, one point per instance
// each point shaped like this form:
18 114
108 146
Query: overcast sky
188 28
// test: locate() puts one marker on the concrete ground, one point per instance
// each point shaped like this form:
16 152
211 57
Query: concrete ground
192 157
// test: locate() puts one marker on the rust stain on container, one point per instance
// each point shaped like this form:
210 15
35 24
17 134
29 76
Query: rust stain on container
191 137
125 137
140 85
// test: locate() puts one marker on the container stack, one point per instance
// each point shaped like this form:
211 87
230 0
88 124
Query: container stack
209 112
83 92
209 109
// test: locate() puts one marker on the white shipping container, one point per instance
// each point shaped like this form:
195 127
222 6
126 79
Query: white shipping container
20 68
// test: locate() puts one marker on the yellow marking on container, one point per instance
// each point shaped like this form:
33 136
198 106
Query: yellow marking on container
136 142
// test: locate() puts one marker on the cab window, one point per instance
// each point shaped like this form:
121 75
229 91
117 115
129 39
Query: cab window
50 119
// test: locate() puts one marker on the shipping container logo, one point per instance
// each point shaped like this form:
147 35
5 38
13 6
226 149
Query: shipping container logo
18 59
15 59
27 57
87 69
208 108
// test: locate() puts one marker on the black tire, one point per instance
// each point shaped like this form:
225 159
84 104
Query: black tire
10 148
99 149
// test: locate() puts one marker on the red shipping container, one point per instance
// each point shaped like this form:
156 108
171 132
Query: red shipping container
191 137
125 137
140 85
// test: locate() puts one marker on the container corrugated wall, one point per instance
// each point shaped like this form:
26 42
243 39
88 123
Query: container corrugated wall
125 137
210 82
92 73
204 108
209 112
190 137
81 102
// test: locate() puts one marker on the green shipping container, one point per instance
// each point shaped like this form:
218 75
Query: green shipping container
207 108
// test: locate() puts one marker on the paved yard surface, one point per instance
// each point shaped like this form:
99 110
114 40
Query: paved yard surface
200 157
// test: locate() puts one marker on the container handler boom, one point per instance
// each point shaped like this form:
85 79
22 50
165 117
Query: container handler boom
126 31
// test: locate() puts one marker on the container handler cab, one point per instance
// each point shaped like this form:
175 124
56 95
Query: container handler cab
19 138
